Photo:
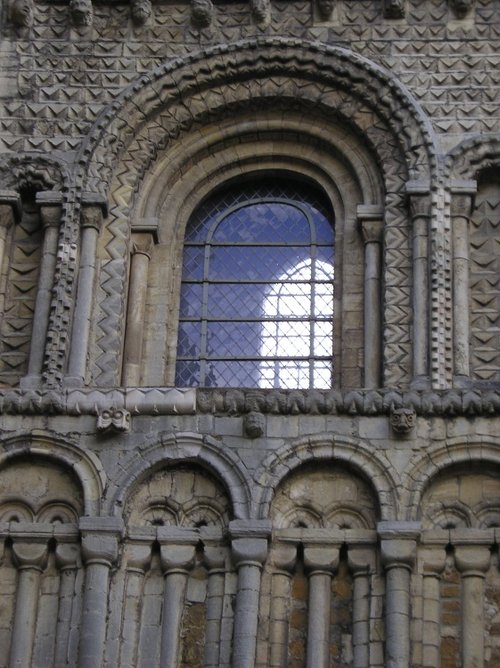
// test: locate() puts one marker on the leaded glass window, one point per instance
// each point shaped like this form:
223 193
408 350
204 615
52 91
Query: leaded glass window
256 305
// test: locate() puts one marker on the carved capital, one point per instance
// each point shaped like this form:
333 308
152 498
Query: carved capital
472 559
420 203
67 555
371 222
30 555
284 557
10 208
361 560
462 197
100 539
324 558
433 559
214 557
177 557
137 557
249 550
91 216
398 543
50 205
142 244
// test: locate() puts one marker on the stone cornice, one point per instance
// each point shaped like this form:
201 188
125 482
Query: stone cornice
470 402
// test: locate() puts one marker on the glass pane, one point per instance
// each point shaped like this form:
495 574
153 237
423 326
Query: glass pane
268 222
232 300
189 339
232 374
187 374
233 339
191 296
192 266
253 263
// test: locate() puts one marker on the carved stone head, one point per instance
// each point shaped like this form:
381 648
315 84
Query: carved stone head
394 9
141 11
21 13
113 419
403 420
461 7
261 11
325 8
81 12
254 424
201 12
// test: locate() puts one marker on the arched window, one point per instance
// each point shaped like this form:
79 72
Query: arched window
257 290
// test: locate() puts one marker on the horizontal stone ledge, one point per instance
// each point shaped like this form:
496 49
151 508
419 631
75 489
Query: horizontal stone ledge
469 402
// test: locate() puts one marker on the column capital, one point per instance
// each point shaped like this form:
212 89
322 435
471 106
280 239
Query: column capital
91 199
91 215
463 193
284 557
419 198
472 559
137 557
177 557
324 558
398 543
433 559
249 551
100 539
10 207
67 555
50 204
214 557
371 222
142 243
361 560
30 555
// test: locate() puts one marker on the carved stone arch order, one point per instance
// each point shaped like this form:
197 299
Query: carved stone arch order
455 458
310 80
185 449
83 465
328 451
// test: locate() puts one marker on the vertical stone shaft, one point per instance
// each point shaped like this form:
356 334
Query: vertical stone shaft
461 204
215 561
319 563
10 211
137 559
472 563
50 211
398 549
100 551
67 557
249 555
176 560
433 559
138 284
284 558
91 220
372 227
361 561
30 559
420 206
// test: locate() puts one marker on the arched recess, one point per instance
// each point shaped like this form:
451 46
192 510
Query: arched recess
31 209
455 455
317 84
85 465
183 449
326 450
473 171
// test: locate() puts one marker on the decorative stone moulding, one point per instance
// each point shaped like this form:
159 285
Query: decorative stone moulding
253 403
117 420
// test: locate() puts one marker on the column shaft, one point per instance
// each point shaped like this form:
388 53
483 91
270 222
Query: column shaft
94 612
431 619
173 605
215 599
318 628
91 223
246 615
398 616
279 619
461 295
361 620
138 285
420 297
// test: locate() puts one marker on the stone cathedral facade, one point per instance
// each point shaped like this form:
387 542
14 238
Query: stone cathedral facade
250 333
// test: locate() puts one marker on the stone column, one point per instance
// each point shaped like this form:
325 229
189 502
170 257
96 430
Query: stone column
472 561
249 552
50 204
433 562
67 561
142 246
137 558
100 538
93 209
10 212
398 550
215 560
462 194
361 561
284 559
372 227
420 208
31 560
176 561
319 562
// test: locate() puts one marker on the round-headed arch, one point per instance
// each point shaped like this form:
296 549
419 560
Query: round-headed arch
162 104
84 464
472 156
436 460
326 449
184 448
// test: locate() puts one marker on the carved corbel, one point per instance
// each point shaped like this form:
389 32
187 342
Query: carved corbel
394 9
261 12
140 11
403 420
82 12
114 419
461 7
201 13
21 13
